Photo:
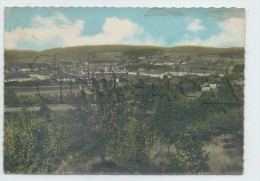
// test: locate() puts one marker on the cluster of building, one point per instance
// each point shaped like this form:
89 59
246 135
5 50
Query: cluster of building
162 65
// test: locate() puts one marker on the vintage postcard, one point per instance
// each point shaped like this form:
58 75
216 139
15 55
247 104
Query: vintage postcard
96 90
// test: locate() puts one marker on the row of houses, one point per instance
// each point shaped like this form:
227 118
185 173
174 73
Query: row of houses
17 76
21 76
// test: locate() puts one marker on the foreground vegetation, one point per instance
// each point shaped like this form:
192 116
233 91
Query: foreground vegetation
153 131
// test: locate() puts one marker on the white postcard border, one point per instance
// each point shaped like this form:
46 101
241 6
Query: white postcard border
252 83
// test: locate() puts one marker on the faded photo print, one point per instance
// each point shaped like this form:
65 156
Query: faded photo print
133 91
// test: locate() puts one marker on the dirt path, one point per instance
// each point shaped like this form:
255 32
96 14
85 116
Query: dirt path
54 107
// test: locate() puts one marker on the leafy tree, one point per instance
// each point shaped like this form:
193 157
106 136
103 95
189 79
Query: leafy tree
190 153
11 99
238 68
30 146
45 110
129 150
95 120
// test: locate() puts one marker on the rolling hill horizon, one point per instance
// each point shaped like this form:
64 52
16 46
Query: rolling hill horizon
78 52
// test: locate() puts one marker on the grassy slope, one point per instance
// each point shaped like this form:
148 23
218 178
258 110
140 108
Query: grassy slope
80 52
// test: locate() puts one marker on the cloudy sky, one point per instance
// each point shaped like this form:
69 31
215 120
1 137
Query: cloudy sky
44 28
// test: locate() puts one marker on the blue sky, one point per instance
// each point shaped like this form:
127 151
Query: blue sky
44 28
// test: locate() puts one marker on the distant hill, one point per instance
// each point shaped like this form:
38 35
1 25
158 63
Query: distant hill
80 52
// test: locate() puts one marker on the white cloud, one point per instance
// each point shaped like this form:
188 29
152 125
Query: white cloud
232 34
69 33
195 25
